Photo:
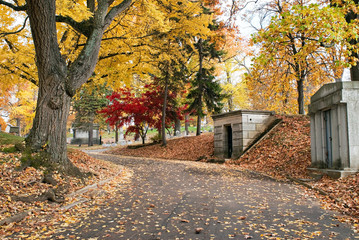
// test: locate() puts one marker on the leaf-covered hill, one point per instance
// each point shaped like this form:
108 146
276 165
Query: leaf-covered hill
186 148
284 151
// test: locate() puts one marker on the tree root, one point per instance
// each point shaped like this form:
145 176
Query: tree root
46 196
15 218
48 178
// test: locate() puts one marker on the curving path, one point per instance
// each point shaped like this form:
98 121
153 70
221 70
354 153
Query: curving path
189 200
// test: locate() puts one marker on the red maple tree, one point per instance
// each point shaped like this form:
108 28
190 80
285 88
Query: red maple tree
140 111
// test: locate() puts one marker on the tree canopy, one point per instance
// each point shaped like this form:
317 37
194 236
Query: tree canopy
73 42
60 46
304 45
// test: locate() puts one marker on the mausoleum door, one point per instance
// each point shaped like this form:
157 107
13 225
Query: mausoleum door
328 139
230 141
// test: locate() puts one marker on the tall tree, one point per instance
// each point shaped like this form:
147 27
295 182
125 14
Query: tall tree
86 103
205 90
301 47
67 36
350 9
140 110
170 49
59 80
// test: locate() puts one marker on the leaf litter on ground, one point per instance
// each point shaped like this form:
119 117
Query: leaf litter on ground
284 152
35 217
189 148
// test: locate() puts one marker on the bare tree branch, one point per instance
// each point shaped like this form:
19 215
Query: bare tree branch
124 5
84 27
15 32
28 78
14 7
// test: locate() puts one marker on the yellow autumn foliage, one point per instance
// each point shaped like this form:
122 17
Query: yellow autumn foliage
77 10
304 47
2 124
136 41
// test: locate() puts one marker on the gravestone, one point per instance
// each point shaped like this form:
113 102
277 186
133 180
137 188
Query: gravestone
80 135
14 130
121 139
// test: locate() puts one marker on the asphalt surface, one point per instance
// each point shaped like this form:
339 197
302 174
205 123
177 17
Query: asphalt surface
190 200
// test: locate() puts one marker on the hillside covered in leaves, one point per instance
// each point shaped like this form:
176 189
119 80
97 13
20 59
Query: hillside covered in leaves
186 148
285 150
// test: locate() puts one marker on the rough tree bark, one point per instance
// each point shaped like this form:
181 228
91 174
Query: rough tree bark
57 81
200 87
164 139
300 90
186 124
53 105
90 129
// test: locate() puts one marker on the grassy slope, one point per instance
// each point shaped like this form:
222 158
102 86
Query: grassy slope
6 139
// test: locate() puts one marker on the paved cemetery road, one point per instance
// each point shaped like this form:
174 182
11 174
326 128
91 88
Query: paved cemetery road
171 199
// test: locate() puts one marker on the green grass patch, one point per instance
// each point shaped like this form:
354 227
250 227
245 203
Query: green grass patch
6 138
12 149
38 161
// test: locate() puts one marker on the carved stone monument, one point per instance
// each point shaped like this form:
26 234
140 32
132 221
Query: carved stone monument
81 135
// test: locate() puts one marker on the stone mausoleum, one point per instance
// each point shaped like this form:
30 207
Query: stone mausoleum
334 122
81 135
237 130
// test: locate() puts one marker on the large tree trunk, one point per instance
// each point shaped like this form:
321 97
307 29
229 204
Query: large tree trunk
53 104
177 127
49 126
300 90
57 81
164 140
